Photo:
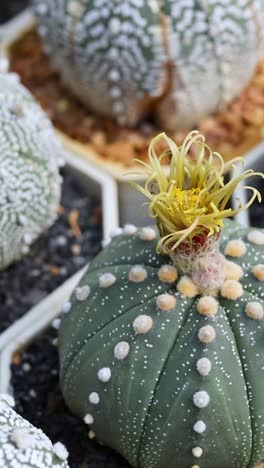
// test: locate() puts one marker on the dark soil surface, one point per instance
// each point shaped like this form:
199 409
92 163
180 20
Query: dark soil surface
11 8
65 248
35 379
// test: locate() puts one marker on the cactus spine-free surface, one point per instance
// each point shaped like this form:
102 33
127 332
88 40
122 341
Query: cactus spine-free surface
30 156
24 446
180 60
167 367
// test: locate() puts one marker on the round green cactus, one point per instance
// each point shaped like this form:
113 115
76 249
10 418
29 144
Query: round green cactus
24 446
29 170
178 60
166 367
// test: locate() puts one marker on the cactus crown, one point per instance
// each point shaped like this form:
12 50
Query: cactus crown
192 199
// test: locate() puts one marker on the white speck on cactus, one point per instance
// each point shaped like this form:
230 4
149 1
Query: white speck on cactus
254 310
117 232
168 273
56 323
104 374
197 452
94 398
60 451
82 293
142 324
66 307
130 229
8 399
201 399
204 366
91 434
106 280
232 289
256 237
258 272
147 234
121 350
233 271
88 419
207 334
137 274
22 438
166 302
187 287
235 248
207 305
199 427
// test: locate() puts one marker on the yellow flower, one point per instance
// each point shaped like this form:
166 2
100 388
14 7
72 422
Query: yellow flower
192 198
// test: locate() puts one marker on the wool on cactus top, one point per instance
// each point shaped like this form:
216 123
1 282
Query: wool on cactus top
179 59
30 156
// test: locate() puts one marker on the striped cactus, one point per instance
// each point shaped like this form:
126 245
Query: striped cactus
180 60
24 446
163 353
29 177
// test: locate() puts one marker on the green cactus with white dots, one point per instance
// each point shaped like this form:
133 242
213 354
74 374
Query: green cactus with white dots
180 60
162 352
24 446
30 183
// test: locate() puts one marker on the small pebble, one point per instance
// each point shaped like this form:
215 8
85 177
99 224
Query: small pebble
22 439
61 451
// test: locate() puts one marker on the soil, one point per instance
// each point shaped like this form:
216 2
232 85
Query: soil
65 248
231 132
11 8
35 379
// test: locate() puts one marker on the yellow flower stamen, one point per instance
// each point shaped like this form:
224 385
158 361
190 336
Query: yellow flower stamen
192 198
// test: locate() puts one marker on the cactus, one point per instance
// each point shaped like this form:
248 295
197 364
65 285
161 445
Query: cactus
24 446
167 365
178 60
29 175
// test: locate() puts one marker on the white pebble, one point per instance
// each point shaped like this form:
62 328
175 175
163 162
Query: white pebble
91 434
106 280
104 374
201 399
82 293
147 234
88 419
121 350
94 398
204 366
199 427
61 451
142 324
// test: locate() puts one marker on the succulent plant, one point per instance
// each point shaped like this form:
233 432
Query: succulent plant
179 60
24 446
161 344
29 170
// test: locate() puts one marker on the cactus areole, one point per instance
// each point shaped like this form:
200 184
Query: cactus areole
24 446
163 353
178 60
30 156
